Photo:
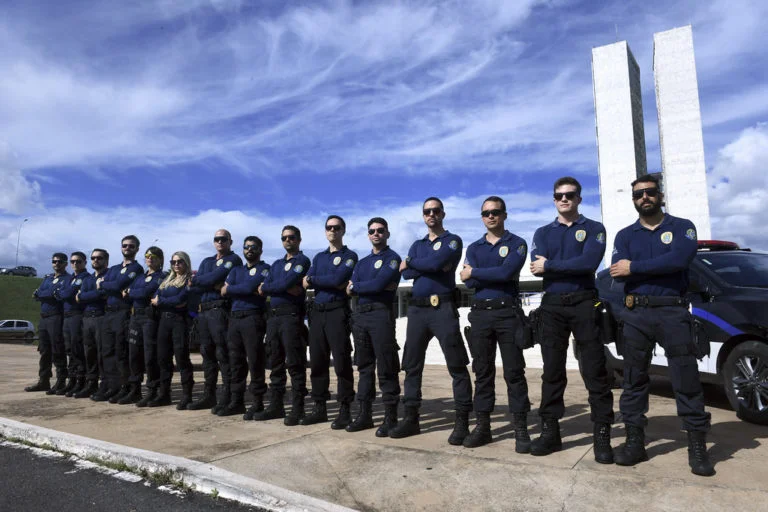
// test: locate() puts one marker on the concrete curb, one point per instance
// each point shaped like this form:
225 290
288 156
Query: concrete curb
204 477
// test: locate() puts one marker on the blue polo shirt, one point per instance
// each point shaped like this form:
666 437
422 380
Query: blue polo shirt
432 264
660 258
118 278
573 254
243 284
329 271
143 288
212 272
67 293
373 274
496 267
89 295
284 274
45 294
172 298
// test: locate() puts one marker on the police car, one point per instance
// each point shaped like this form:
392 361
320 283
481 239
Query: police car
729 297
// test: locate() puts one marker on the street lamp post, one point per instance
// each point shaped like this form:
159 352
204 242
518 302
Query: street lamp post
18 240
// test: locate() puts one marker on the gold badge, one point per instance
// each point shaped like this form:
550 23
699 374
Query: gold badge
434 300
629 301
666 237
503 251
377 264
337 260
581 235
437 245
287 266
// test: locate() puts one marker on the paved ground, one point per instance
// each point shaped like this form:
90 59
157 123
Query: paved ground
424 472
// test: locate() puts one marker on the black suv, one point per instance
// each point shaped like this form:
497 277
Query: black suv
729 297
19 271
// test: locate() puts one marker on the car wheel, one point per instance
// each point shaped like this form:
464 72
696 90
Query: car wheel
29 337
745 378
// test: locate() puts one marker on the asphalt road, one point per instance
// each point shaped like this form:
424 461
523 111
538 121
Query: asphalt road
33 480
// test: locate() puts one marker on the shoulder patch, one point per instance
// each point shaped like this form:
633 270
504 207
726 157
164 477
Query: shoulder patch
337 260
581 235
521 249
265 272
287 266
533 246
690 234
252 272
228 264
600 238
437 245
219 262
666 237
615 251
453 244
78 282
503 251
393 264
377 264
147 279
350 263
132 275
298 269
122 270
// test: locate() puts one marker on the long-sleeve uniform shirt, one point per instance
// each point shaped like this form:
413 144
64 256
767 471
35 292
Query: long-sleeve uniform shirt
573 254
67 293
329 271
373 274
432 264
45 294
213 272
496 267
284 274
242 285
660 258
143 288
117 279
172 298
92 298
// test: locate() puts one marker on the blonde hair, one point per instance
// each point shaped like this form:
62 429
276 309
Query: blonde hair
178 280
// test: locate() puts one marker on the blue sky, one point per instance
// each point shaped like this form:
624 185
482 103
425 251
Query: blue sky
170 119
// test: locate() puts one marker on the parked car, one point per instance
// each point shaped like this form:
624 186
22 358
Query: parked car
17 330
19 271
728 293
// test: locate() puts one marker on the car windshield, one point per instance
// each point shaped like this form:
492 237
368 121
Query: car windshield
738 268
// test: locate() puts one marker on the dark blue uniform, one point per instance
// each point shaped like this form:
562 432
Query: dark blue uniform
51 340
94 303
329 324
213 318
73 325
247 326
142 343
573 254
659 314
373 326
172 338
285 325
432 266
496 319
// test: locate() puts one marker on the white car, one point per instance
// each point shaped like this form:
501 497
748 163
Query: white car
23 330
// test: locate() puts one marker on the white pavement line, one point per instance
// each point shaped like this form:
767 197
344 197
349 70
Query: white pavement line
205 477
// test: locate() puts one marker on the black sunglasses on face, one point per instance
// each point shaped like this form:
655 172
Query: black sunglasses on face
495 212
379 231
220 239
129 246
568 195
76 262
333 227
94 258
177 262
288 237
651 192
432 211
249 248
57 262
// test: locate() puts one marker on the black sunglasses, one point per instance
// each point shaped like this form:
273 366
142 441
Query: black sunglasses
129 246
251 248
220 239
76 262
568 195
432 211
177 262
288 237
57 262
651 192
379 231
495 212
94 258
333 227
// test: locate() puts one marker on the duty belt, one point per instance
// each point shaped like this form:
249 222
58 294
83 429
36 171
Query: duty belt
142 311
92 313
71 313
432 300
285 309
653 301
242 313
214 304
568 299
49 314
371 306
499 303
329 306
121 307
172 314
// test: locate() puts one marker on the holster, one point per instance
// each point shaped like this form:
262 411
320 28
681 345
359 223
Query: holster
531 327
606 322
699 342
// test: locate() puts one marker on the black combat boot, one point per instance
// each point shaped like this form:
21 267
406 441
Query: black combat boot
125 390
42 385
344 418
222 400
236 405
409 426
206 401
133 396
88 390
319 414
481 434
256 407
549 441
297 411
163 397
364 418
150 396
186 396
522 439
79 385
71 383
390 421
274 410
61 383
601 443
460 428
633 450
698 458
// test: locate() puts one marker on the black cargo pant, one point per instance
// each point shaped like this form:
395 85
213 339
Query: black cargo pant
50 345
671 327
376 350
92 345
212 329
442 322
557 323
114 347
246 352
489 328
329 334
142 347
286 340
173 341
73 344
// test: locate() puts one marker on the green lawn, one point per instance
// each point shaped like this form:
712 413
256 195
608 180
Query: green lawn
16 300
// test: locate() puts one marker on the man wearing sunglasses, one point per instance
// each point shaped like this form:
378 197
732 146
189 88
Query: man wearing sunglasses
51 340
94 303
114 336
492 268
247 326
329 325
652 257
73 324
431 263
374 281
566 253
285 329
212 321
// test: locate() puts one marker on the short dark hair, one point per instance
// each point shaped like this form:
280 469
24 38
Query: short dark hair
343 224
156 251
132 237
296 230
59 255
495 199
78 253
433 198
647 178
106 254
256 240
378 220
568 180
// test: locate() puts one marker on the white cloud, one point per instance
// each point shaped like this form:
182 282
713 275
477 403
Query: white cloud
18 193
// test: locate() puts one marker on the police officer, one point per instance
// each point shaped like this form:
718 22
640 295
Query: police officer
374 281
652 257
51 341
94 304
73 324
492 268
285 329
329 325
212 321
432 263
247 326
142 341
114 336
566 253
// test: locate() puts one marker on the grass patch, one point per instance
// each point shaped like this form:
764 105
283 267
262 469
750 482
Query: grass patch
16 301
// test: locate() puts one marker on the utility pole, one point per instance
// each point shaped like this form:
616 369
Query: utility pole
18 240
